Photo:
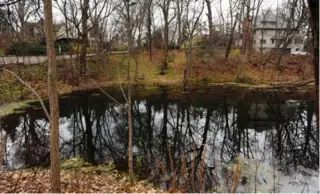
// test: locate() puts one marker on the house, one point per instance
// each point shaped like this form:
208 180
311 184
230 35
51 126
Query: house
270 31
34 31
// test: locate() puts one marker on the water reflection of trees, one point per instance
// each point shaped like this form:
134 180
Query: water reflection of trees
27 140
96 129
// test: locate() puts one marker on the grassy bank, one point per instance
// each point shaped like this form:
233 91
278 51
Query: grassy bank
111 70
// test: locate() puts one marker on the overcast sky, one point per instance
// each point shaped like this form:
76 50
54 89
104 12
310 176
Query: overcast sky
215 9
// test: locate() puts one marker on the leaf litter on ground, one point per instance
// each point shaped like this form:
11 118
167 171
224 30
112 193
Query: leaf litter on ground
76 176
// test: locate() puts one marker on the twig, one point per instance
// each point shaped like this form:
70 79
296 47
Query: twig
33 91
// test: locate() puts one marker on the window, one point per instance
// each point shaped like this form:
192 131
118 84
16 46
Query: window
298 41
272 40
263 41
289 41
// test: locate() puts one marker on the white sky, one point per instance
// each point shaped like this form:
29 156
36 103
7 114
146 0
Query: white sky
215 6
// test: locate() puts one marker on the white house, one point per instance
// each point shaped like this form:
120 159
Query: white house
268 31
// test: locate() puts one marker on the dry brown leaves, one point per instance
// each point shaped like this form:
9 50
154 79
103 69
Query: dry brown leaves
85 179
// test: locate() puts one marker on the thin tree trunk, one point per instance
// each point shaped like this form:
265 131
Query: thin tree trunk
189 58
53 99
149 28
130 127
231 39
246 29
130 160
314 10
179 22
209 15
83 62
166 41
187 67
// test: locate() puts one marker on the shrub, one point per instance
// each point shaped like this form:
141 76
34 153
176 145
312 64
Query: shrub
173 46
244 79
171 58
62 48
235 53
24 49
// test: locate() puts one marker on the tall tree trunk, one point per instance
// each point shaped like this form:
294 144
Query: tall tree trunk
187 67
166 40
130 127
149 28
246 26
53 99
314 11
179 22
209 15
83 62
231 39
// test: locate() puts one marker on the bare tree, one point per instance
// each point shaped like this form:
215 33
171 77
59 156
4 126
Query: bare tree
149 25
53 99
179 10
193 12
84 36
251 8
292 17
233 5
314 17
20 13
265 16
126 13
210 21
165 8
83 18
255 13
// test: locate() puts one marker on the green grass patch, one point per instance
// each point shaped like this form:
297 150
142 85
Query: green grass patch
15 107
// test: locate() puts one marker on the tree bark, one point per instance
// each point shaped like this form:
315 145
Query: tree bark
130 127
231 39
166 40
53 99
314 11
209 15
83 62
149 28
179 22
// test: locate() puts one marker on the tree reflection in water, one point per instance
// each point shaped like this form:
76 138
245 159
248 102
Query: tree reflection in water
255 125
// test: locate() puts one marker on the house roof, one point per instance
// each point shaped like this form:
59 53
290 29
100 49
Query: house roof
271 21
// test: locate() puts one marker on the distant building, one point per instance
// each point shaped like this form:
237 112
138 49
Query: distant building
34 31
270 30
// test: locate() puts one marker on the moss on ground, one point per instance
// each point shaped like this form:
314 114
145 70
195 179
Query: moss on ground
14 107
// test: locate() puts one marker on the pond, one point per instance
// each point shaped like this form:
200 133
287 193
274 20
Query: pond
197 140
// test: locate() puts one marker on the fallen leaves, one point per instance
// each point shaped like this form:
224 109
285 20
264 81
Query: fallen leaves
80 179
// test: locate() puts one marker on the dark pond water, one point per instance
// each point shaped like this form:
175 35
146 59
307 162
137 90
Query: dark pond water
274 132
